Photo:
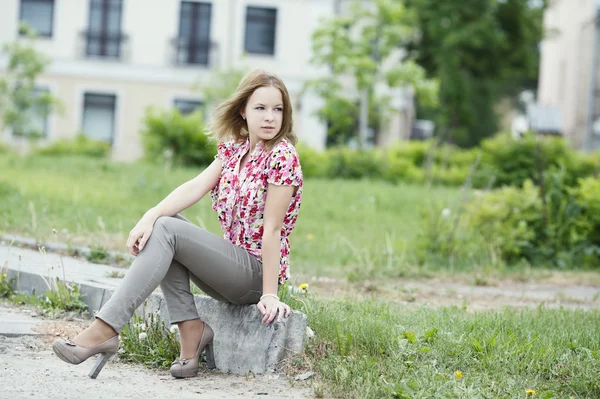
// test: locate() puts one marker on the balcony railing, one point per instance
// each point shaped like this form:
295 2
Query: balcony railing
188 51
104 45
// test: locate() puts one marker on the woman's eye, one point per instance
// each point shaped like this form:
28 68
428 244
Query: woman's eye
279 109
260 107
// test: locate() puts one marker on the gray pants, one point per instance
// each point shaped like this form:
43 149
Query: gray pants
176 252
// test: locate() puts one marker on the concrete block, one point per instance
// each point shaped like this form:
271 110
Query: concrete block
242 344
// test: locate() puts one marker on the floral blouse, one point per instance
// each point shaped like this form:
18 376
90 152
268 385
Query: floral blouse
240 195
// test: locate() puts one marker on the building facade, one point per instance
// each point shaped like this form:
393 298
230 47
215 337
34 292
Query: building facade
111 59
568 57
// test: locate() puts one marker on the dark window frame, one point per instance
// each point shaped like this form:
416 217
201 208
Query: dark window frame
45 34
105 95
251 48
198 50
104 36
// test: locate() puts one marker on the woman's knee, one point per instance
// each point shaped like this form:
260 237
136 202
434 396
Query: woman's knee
163 225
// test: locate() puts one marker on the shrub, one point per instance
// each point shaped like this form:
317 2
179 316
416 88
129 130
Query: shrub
514 161
314 163
401 169
550 225
80 145
180 138
354 164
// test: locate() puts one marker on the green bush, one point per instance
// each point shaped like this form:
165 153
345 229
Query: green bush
401 169
80 145
347 163
167 134
501 161
552 224
314 163
514 161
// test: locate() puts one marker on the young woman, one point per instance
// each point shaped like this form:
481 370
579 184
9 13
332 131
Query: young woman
255 183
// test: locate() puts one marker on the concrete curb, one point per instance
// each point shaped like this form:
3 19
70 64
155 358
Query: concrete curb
31 243
242 344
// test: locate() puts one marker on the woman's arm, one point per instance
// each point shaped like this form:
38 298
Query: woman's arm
189 192
178 200
276 206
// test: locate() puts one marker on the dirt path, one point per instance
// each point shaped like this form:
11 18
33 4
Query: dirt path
29 368
578 291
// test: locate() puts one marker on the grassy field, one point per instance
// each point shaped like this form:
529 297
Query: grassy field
346 228
362 349
378 350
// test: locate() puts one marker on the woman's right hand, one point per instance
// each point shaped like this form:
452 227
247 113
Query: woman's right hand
140 234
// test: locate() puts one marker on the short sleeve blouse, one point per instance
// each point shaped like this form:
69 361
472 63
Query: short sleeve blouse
240 195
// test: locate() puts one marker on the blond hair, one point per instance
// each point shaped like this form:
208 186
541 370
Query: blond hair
227 122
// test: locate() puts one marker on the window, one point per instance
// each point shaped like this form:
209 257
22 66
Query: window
193 42
104 35
39 15
260 30
99 116
35 122
187 106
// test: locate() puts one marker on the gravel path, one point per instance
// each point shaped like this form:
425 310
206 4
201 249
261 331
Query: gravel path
29 369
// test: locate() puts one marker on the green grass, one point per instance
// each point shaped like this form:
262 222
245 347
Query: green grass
360 229
376 350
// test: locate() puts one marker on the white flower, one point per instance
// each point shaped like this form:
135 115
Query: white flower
142 336
174 328
446 213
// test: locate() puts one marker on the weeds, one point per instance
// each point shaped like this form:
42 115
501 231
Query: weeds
59 298
98 255
147 340
114 274
6 286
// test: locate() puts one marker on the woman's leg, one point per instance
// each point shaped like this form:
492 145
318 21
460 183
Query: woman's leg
221 269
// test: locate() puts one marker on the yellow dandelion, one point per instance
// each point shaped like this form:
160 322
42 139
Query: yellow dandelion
4 276
304 287
530 392
309 236
458 375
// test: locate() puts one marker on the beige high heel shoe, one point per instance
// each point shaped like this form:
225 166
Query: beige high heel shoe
69 352
185 368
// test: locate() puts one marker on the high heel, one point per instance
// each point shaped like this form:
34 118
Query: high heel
185 368
69 352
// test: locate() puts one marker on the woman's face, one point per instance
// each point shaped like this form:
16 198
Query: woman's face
264 113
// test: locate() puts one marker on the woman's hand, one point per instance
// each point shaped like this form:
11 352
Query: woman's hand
269 306
140 234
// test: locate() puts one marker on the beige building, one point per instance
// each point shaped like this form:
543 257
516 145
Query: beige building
111 59
566 86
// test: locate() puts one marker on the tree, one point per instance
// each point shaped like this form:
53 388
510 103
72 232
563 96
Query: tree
363 46
481 51
20 100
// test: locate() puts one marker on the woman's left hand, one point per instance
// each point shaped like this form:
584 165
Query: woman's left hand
270 306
